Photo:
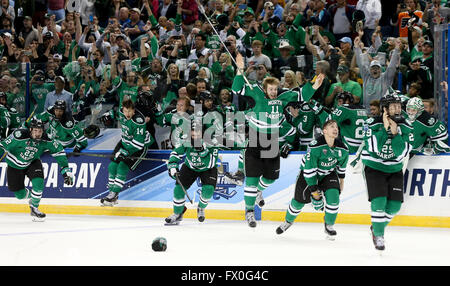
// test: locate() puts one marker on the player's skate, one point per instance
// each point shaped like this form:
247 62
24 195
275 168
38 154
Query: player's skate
36 214
378 241
250 217
283 227
200 214
259 199
330 232
110 200
174 219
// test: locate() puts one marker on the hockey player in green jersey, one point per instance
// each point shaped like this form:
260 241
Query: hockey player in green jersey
128 152
351 119
430 134
24 148
200 162
322 173
9 117
265 118
305 117
386 143
63 127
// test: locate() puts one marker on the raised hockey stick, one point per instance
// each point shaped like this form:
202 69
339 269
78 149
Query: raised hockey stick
112 155
182 187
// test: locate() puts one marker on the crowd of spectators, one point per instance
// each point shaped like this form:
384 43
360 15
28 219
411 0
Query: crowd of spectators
98 52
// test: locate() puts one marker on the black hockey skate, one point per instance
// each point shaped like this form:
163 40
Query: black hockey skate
330 232
110 200
200 214
36 214
378 241
260 199
250 217
283 227
174 219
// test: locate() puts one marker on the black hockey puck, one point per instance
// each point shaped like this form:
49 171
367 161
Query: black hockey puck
159 244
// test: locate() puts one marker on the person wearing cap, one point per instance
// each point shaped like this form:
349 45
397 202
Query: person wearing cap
28 33
345 49
375 81
343 84
59 94
285 61
136 26
427 55
275 10
39 90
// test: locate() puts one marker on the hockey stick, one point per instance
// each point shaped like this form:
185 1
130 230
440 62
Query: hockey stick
31 114
111 156
202 10
182 187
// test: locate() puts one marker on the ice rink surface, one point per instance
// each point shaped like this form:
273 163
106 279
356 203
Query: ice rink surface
67 240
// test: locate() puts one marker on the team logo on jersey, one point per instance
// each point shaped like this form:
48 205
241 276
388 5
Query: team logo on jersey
69 123
17 133
431 121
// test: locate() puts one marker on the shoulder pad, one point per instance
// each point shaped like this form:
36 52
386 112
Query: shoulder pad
139 118
374 120
21 134
69 123
426 119
340 144
318 142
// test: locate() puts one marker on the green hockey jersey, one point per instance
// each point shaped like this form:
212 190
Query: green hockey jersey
267 115
135 136
305 122
351 119
198 160
380 151
321 160
67 130
22 150
427 131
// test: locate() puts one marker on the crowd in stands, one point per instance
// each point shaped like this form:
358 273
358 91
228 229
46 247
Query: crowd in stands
105 50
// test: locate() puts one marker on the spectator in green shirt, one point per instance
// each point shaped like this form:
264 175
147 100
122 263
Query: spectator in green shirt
344 84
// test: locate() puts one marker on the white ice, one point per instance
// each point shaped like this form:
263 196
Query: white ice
68 240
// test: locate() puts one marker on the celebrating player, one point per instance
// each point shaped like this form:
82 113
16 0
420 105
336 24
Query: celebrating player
200 162
262 156
128 152
430 134
25 147
322 174
63 127
386 143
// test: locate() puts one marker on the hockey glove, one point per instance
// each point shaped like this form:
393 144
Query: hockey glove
121 154
77 149
285 149
68 177
317 200
173 172
315 106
